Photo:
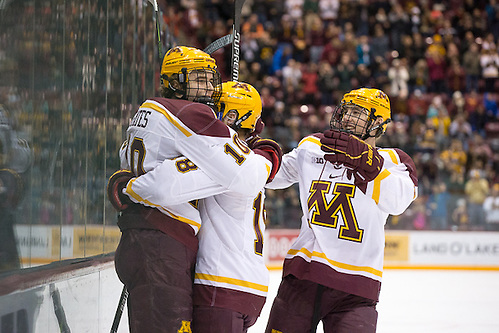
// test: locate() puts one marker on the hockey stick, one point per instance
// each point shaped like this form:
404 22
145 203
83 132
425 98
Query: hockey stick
58 309
219 43
158 34
236 32
158 31
119 310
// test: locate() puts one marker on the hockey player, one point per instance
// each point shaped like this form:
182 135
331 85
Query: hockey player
231 278
333 270
156 254
15 161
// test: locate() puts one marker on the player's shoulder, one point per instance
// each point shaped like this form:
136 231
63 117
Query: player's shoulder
312 141
179 107
395 155
200 118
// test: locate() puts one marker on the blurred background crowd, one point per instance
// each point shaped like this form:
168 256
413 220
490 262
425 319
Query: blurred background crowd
73 73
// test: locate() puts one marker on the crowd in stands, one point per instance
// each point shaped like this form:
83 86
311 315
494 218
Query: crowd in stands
437 60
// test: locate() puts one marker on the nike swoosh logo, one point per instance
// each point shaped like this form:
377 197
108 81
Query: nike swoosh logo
332 177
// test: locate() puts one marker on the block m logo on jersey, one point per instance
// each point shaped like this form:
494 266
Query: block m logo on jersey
326 214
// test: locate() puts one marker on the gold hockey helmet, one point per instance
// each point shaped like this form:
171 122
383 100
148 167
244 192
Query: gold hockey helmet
376 104
193 69
241 103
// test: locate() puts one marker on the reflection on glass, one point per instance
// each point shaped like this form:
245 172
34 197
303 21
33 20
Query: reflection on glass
71 74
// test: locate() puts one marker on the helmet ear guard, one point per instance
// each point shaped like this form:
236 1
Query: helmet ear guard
380 129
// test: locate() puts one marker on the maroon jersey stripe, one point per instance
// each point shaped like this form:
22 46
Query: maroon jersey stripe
200 118
409 163
236 300
319 273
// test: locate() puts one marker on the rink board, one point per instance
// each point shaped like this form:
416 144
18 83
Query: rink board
413 249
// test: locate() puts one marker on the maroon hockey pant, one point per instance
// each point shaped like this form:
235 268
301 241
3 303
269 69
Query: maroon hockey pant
210 319
293 309
157 271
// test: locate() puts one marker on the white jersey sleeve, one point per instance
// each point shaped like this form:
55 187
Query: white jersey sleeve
396 193
173 182
164 129
288 173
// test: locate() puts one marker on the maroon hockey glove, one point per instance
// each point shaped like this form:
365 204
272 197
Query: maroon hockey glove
259 126
11 188
117 182
270 150
363 159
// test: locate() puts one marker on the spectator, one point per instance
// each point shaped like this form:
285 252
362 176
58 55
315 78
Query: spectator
328 9
315 39
436 71
419 76
489 61
281 58
399 22
476 190
491 208
418 46
459 217
417 106
363 51
345 72
380 43
472 67
460 129
479 153
438 118
455 77
454 159
457 103
478 119
294 8
252 28
309 79
327 83
437 206
490 104
399 76
291 74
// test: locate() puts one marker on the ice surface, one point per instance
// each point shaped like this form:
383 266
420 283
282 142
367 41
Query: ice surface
429 301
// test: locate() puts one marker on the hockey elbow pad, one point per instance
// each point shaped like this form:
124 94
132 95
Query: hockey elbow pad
117 182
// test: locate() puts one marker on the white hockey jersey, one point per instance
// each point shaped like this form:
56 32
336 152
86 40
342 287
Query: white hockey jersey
230 267
341 241
163 129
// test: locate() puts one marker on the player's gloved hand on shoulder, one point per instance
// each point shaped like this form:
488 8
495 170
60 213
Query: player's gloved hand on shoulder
270 150
364 160
259 126
117 182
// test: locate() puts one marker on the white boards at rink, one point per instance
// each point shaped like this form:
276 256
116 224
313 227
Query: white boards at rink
413 249
42 244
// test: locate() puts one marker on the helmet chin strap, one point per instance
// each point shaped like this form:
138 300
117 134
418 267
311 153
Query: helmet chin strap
378 129
206 100
238 122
